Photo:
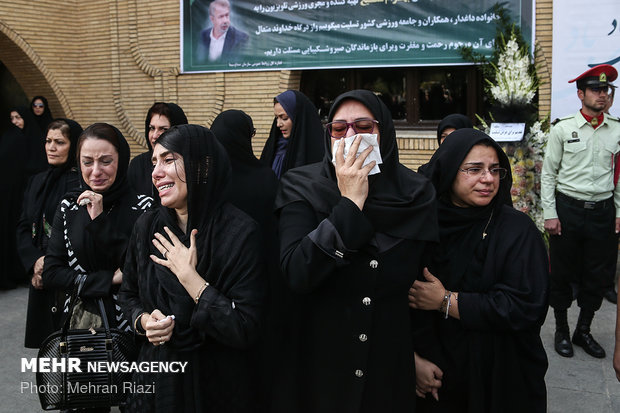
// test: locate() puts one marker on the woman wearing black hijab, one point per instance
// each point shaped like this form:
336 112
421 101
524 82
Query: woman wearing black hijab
296 133
253 190
197 258
489 280
451 123
41 111
14 151
35 157
41 200
448 125
351 245
253 184
160 117
92 226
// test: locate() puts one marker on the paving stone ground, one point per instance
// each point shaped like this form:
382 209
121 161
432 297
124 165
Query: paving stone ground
579 384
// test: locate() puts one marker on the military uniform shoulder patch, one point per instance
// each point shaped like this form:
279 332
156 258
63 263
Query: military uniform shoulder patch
558 120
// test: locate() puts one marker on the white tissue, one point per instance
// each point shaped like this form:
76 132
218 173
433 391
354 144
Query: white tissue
84 201
368 139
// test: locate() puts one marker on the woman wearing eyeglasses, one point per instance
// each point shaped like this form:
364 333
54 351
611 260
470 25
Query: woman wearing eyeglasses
41 111
484 294
351 245
296 133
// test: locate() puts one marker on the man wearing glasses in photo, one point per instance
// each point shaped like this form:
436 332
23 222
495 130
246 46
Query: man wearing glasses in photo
581 208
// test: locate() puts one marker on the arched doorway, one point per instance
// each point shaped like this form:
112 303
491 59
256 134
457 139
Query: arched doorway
24 75
12 95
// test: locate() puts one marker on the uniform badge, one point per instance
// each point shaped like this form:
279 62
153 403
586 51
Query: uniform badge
594 122
602 78
575 138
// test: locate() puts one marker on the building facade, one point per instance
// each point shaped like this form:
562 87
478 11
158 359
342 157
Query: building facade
108 61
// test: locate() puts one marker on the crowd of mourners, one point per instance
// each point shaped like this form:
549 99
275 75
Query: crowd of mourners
323 277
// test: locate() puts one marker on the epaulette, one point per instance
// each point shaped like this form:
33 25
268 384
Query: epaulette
558 120
615 119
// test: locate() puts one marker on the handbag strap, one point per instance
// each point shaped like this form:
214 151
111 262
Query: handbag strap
79 284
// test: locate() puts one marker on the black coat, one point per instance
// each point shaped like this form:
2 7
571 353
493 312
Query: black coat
44 306
352 349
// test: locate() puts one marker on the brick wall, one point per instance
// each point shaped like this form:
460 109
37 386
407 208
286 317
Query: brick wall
108 61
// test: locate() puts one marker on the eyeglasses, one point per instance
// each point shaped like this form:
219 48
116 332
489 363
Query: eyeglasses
479 172
38 105
338 129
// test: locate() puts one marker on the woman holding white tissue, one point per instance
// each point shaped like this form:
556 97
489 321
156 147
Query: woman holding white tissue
349 245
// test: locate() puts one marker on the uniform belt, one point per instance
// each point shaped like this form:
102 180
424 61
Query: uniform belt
606 203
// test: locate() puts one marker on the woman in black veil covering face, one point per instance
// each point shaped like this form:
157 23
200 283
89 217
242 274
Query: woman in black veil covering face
481 352
196 258
350 246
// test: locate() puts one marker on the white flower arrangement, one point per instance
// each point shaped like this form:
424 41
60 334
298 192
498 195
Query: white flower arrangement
514 84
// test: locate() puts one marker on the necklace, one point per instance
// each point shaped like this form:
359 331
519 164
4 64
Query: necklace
484 231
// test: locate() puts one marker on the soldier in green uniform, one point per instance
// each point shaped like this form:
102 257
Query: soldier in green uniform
582 208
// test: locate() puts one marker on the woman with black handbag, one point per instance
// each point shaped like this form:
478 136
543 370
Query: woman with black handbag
92 228
41 200
196 258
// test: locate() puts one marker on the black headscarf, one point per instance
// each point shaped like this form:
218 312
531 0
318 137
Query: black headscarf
234 130
52 175
461 229
456 121
45 118
303 146
207 172
120 187
400 201
175 116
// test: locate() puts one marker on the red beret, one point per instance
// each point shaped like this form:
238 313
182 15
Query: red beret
597 76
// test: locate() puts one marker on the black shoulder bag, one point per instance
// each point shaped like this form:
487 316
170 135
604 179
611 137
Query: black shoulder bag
92 387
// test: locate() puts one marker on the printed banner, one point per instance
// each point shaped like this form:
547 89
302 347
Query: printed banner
276 35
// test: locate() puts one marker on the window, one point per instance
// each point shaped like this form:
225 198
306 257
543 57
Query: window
416 96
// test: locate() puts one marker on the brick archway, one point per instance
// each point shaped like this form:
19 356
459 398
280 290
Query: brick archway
30 71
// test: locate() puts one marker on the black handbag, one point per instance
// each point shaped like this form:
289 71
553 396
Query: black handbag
85 389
